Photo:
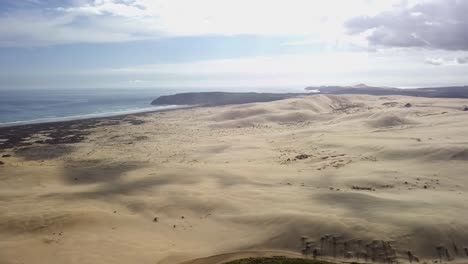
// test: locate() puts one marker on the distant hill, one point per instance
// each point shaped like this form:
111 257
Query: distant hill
219 98
225 98
443 92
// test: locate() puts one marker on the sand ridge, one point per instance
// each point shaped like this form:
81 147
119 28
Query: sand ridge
191 183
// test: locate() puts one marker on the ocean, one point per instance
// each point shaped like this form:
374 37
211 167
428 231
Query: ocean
47 105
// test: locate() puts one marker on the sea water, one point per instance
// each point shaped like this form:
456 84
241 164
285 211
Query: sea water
46 105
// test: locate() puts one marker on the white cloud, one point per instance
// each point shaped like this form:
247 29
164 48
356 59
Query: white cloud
38 29
436 61
463 60
124 20
112 7
436 24
312 19
389 67
390 23
446 61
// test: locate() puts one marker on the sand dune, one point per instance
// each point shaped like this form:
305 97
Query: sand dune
388 120
263 177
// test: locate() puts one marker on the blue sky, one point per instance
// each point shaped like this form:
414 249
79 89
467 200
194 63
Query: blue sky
244 43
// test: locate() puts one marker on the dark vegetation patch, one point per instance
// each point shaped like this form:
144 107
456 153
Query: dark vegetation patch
303 156
362 188
67 132
277 260
140 138
43 152
135 122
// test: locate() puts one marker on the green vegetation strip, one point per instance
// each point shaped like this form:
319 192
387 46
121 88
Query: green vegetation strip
277 260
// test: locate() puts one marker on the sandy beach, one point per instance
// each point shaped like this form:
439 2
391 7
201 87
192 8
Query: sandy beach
347 173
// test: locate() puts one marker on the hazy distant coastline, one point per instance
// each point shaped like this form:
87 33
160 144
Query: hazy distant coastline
220 98
190 99
432 92
226 98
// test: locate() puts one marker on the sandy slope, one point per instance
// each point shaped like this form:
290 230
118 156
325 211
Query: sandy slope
225 179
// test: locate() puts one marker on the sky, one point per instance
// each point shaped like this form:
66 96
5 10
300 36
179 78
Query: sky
232 43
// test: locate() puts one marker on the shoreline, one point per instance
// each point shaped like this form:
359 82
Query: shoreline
67 131
190 99
48 120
